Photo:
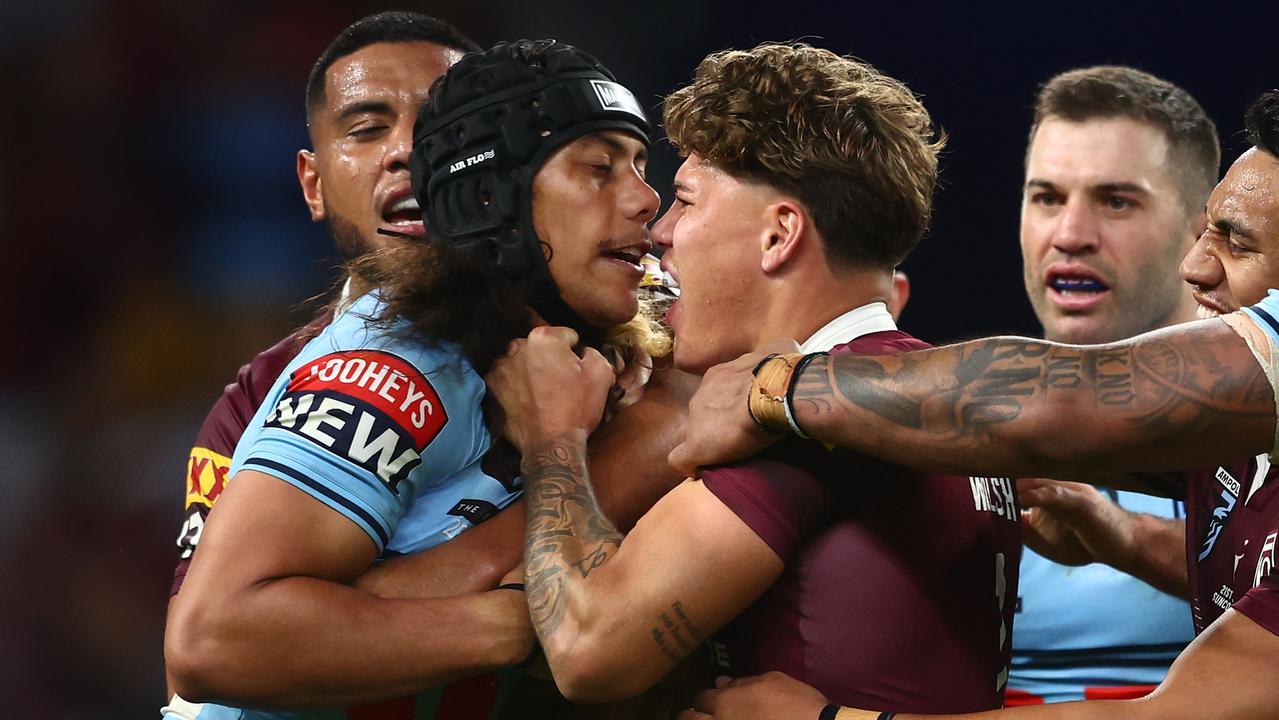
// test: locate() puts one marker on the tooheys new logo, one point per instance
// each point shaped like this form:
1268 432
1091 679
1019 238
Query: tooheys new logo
615 97
369 407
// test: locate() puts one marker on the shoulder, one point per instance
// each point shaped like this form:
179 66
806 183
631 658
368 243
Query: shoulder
361 329
781 500
887 342
256 376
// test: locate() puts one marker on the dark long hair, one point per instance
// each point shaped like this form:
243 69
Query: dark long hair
447 294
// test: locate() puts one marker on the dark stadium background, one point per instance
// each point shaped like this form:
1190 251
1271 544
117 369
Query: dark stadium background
154 239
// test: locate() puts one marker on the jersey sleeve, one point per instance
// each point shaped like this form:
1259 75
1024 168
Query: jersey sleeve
1261 604
783 504
364 430
209 464
1263 341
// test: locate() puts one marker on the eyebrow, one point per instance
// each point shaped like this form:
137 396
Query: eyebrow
376 107
1104 187
1232 227
681 187
616 145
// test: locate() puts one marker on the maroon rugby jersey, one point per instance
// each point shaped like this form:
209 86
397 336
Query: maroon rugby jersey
899 586
1232 523
215 443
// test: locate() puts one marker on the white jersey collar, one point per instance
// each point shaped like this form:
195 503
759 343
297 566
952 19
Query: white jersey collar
864 320
344 298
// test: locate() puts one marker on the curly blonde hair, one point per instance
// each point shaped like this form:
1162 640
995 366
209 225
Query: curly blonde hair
854 146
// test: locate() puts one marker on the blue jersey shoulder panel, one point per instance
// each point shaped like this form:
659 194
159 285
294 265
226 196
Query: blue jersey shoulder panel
382 428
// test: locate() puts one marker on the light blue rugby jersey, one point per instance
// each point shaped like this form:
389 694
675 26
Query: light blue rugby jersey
384 430
1094 626
403 508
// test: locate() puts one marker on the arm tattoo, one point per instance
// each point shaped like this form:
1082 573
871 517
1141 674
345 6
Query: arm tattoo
567 535
992 402
675 634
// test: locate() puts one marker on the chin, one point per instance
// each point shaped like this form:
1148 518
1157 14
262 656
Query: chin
606 315
696 360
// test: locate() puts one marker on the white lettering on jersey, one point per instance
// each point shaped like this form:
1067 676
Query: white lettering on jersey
1265 561
994 495
385 446
323 415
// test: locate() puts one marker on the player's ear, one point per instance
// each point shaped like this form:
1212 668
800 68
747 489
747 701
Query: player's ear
785 223
312 185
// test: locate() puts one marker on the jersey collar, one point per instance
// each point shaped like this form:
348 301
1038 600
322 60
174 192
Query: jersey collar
864 320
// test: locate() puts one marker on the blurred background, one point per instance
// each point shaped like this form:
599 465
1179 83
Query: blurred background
156 239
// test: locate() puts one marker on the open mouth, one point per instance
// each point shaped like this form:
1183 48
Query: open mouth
630 255
402 215
1074 287
1068 284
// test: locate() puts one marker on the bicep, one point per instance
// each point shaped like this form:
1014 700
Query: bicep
473 561
688 568
1196 687
628 454
263 528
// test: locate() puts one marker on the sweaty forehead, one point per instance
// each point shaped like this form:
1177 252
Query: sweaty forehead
1100 151
1249 194
391 72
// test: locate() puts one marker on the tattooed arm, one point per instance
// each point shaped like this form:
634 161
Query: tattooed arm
613 617
1170 399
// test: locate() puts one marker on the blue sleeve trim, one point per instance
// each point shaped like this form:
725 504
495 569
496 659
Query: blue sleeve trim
381 534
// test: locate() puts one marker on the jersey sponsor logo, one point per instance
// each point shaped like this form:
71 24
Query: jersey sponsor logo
366 406
1228 481
995 495
1222 508
1224 598
206 476
1266 561
477 511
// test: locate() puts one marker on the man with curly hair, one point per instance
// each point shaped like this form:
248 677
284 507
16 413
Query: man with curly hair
1179 397
808 177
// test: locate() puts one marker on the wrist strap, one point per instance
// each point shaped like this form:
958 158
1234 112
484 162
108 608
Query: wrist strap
828 712
511 586
790 391
768 401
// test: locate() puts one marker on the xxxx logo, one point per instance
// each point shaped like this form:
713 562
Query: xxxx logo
206 476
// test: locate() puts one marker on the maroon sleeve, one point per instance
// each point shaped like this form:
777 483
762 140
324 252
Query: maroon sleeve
783 500
782 503
210 459
1261 604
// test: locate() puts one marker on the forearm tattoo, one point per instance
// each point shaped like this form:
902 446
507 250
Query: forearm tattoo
964 397
567 535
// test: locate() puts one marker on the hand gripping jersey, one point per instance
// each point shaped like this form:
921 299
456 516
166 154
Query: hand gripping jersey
387 432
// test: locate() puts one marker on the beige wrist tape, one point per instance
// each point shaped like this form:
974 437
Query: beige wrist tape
1264 350
767 403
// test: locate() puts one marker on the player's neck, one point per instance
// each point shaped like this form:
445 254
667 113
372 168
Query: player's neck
798 308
